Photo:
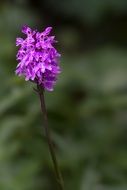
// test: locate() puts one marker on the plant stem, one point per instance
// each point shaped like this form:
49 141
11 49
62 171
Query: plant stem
49 140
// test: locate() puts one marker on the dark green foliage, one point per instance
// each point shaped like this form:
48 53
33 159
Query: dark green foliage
88 108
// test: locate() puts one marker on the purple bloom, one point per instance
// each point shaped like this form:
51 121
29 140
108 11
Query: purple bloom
38 59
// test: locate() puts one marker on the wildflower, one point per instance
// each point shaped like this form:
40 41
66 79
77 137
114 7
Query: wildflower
38 60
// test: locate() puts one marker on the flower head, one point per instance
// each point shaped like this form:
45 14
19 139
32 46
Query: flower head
37 57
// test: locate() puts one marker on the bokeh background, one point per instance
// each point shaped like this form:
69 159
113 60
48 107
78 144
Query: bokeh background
88 108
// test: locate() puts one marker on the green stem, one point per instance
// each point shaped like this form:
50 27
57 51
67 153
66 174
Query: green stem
49 140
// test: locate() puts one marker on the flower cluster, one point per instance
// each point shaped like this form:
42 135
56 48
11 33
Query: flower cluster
38 59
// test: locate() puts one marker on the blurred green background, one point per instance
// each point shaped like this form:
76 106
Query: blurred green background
88 108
